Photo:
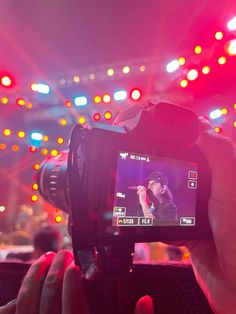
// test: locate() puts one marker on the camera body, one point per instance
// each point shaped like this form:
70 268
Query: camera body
107 163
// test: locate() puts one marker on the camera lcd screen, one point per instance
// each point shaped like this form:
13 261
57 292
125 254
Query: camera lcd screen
153 191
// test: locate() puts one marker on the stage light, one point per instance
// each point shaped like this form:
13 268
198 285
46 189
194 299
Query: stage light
33 149
92 76
215 114
7 132
5 100
2 208
58 219
29 105
54 152
219 35
206 70
81 120
135 94
36 166
231 49
3 146
192 75
120 95
107 115
106 98
34 198
234 106
96 116
142 68
110 72
76 79
198 49
60 140
36 136
20 102
68 103
222 60
181 61
183 83
126 69
172 66
80 101
44 151
224 111
217 129
35 187
21 134
232 24
63 121
40 88
97 99
45 138
6 81
235 124
15 148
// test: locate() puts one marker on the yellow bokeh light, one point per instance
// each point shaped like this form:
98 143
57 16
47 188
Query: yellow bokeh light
97 99
234 106
110 72
34 198
44 151
183 83
63 121
219 35
198 49
106 98
76 79
81 120
222 60
45 138
60 140
224 111
126 69
54 152
21 134
58 219
3 146
35 187
107 115
5 100
206 69
36 166
182 61
235 124
29 105
7 132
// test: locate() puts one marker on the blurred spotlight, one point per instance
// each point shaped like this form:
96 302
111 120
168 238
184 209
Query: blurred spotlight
54 152
192 75
35 187
206 70
106 98
135 94
110 72
6 81
20 102
172 66
97 99
120 95
36 166
2 208
222 60
80 101
33 149
126 69
34 198
198 49
4 100
15 148
40 88
3 146
142 68
63 121
235 124
183 83
21 134
218 129
231 47
96 116
68 104
81 120
224 111
76 79
7 132
36 136
182 61
107 115
58 219
215 114
219 35
44 151
60 140
232 24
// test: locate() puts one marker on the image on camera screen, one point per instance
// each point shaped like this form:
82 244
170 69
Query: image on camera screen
154 191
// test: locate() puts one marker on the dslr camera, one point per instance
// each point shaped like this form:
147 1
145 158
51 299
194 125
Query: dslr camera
98 181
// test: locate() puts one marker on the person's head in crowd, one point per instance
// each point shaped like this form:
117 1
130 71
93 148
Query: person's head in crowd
47 239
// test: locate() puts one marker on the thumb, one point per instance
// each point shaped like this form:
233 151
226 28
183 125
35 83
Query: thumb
144 305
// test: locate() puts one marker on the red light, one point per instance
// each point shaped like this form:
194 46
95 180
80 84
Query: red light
135 94
96 116
6 81
217 129
33 149
68 103
20 102
58 219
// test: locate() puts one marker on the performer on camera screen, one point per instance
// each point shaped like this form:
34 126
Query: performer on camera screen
156 199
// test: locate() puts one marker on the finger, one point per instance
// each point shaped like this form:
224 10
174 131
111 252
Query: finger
144 305
51 295
28 298
9 308
73 296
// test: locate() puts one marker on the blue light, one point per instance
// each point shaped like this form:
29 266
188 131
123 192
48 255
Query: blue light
215 114
80 101
120 95
36 136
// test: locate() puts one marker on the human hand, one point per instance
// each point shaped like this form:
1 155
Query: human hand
142 194
214 261
53 285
